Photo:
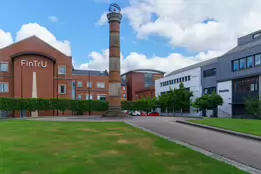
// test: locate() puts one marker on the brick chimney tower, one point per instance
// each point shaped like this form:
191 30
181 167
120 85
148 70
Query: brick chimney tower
114 18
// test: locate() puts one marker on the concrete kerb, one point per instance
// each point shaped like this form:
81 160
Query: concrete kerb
236 164
251 137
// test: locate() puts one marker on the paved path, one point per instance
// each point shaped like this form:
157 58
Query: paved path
242 150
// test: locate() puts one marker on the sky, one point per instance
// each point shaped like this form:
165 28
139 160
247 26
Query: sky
157 34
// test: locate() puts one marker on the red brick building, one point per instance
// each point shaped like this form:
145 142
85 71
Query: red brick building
141 83
32 68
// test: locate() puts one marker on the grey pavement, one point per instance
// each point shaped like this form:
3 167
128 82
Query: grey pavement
239 149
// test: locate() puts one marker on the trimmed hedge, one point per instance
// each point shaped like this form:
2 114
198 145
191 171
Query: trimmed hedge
38 104
80 106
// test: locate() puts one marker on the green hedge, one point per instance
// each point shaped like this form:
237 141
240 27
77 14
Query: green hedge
80 106
38 104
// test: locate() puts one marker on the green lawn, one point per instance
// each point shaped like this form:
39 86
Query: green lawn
34 147
240 125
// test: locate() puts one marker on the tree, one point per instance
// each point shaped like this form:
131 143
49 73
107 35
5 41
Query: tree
208 102
149 103
253 106
182 98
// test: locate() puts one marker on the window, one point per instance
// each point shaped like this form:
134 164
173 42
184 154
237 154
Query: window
88 97
183 78
124 88
235 65
89 84
250 62
256 35
210 72
242 63
188 78
79 84
258 60
62 70
124 95
100 85
209 90
101 97
247 85
179 80
4 87
79 97
172 81
3 67
161 84
175 81
62 89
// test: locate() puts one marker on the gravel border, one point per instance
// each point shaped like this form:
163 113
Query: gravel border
207 153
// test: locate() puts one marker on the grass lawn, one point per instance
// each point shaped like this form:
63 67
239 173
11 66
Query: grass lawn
34 147
240 125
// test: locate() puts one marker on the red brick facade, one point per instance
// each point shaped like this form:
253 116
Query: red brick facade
34 56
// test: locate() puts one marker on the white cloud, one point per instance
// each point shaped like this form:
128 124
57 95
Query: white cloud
140 61
31 29
180 21
53 19
5 38
103 20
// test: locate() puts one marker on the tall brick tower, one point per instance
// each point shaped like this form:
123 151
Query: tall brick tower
114 18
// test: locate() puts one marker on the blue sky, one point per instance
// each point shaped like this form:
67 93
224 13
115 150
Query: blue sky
77 23
173 31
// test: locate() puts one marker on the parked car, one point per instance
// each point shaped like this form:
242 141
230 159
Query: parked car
135 113
151 114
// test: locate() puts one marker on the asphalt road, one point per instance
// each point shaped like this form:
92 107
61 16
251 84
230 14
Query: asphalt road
242 150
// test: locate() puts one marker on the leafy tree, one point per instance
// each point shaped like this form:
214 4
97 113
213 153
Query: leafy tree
149 103
253 106
182 98
208 102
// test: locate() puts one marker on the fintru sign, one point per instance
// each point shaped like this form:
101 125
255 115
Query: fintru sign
34 63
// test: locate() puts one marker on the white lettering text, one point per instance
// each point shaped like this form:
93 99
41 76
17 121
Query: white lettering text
34 63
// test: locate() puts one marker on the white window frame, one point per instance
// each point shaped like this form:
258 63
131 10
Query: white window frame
124 88
78 84
89 84
89 97
4 83
1 66
99 85
64 88
124 96
59 73
101 95
79 97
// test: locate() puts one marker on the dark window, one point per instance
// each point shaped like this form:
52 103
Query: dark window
258 60
256 35
172 81
209 90
186 78
235 65
62 89
242 63
161 84
179 80
250 62
3 67
210 72
183 78
247 85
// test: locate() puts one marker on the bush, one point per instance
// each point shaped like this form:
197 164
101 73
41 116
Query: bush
38 104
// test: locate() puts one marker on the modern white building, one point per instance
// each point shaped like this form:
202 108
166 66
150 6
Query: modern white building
190 76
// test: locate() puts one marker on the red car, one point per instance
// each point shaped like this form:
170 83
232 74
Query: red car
151 114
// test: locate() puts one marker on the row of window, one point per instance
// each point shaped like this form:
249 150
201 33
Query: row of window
90 97
175 81
4 68
210 72
89 84
246 63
